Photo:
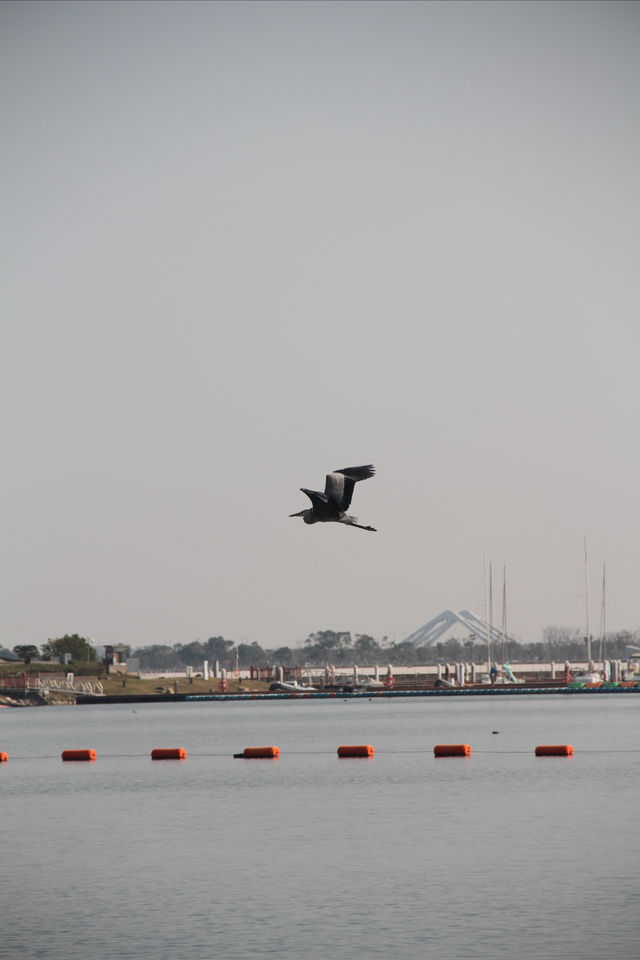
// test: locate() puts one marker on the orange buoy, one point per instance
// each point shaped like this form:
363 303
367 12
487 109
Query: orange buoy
260 753
356 750
555 750
452 750
4 757
169 753
79 755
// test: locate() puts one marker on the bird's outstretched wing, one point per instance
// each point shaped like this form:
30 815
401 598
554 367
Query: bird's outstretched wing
340 483
318 500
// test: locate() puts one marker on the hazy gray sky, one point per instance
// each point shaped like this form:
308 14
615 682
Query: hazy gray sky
247 243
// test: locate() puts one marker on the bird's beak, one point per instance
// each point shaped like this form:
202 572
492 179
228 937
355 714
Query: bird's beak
300 514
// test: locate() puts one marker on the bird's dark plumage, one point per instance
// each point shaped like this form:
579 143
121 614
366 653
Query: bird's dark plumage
336 499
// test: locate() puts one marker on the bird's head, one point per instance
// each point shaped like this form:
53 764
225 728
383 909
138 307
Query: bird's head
305 514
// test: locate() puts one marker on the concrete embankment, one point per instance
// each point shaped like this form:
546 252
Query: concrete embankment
30 701
470 691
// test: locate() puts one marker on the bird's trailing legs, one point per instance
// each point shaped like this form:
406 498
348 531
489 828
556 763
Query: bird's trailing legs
351 522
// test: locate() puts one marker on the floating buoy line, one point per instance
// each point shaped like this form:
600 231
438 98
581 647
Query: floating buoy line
364 750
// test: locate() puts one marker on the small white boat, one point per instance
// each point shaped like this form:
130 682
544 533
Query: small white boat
291 686
363 683
369 682
591 676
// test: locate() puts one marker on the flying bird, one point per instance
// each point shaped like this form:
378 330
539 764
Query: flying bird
336 499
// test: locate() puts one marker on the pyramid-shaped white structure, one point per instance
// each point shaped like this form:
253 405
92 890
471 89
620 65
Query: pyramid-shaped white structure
431 632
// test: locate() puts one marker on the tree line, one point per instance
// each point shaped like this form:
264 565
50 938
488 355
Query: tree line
78 648
340 649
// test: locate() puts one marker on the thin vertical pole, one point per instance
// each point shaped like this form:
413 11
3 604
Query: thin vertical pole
603 614
586 584
487 614
490 645
504 608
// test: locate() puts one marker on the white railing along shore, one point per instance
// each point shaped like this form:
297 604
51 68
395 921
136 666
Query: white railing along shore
548 668
57 685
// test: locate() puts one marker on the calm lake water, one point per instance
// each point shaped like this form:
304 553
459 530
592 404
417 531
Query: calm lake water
501 854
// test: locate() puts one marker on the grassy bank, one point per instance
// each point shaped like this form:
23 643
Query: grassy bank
115 685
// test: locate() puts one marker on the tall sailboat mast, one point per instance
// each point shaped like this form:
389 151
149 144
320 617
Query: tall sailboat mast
489 605
504 608
586 584
603 615
490 611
